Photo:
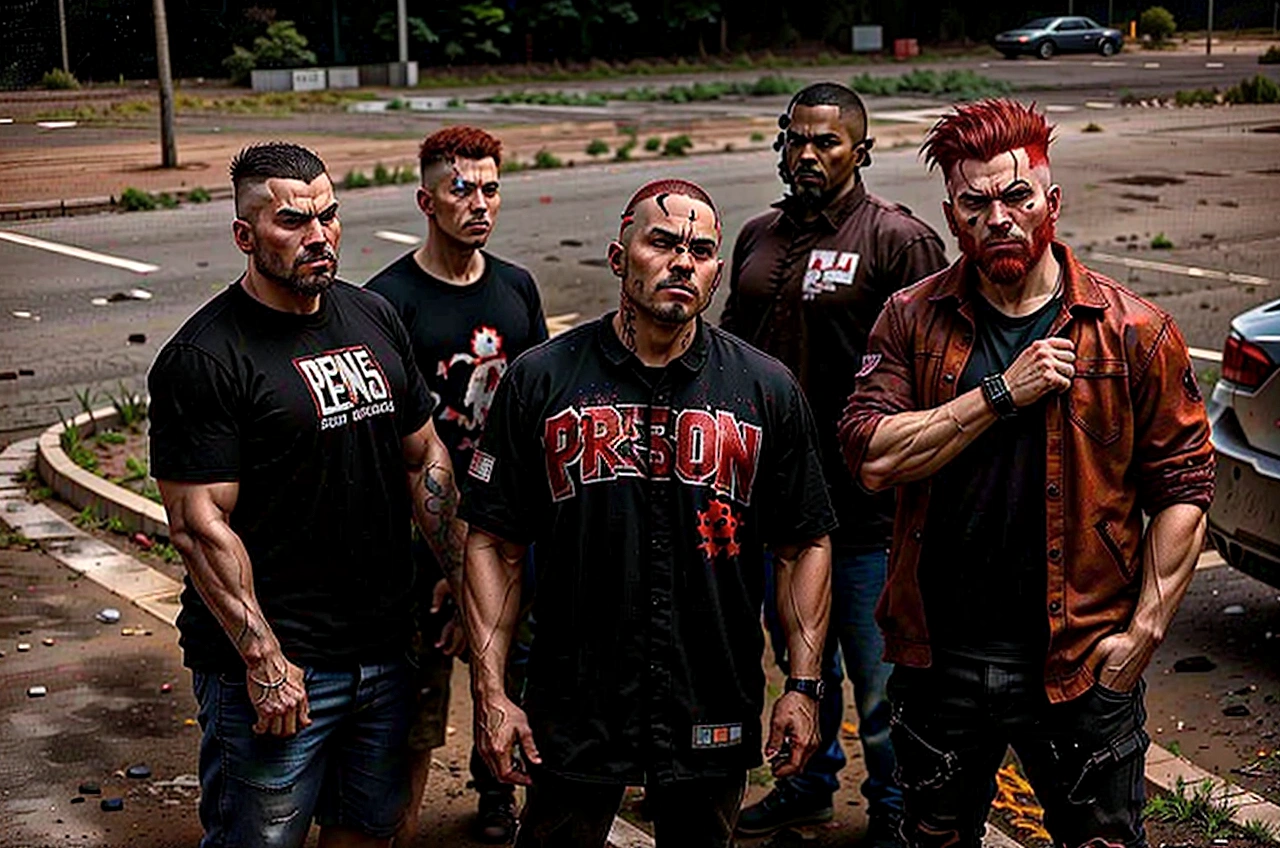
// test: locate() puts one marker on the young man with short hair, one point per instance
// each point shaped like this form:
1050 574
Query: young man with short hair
1029 412
651 457
469 314
292 440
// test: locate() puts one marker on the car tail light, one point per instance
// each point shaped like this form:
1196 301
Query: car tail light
1244 363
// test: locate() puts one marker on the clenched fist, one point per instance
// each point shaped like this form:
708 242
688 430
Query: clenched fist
1045 366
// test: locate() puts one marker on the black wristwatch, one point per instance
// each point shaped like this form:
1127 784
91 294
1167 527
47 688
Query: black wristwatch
813 687
997 395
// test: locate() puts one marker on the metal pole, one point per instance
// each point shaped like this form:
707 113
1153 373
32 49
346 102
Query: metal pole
62 28
1275 18
1071 7
168 145
402 30
1111 13
1208 40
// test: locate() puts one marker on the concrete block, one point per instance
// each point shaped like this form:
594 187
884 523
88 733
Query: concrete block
348 77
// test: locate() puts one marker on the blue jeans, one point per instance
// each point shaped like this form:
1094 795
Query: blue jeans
856 582
348 768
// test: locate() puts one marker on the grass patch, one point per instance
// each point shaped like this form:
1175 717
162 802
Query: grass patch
136 200
652 144
545 159
356 179
15 540
958 84
757 137
1161 242
130 407
199 194
596 147
677 145
58 79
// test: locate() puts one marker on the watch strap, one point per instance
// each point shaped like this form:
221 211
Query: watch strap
997 395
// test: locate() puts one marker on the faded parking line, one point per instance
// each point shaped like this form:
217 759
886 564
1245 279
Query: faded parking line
398 238
79 253
1207 355
1182 270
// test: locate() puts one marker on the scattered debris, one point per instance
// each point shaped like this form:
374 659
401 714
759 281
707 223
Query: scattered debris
131 294
21 313
138 772
1194 664
166 688
137 338
570 242
111 805
89 788
180 781
544 199
143 541
79 799
48 641
8 375
99 301
188 722
1246 690
26 372
37 692
1233 609
108 615
23 647
1235 710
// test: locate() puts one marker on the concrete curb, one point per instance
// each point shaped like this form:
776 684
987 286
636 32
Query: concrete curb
82 488
1164 770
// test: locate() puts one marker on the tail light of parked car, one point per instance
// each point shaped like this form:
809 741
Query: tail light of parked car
1245 364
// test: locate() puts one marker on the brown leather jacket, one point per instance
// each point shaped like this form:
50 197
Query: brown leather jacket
1129 436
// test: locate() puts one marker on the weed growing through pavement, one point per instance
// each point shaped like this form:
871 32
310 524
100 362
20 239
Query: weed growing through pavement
136 200
1199 808
87 519
15 539
131 407
1175 748
1161 242
166 552
40 493
1259 830
199 194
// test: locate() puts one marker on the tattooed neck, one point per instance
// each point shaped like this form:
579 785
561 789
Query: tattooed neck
627 324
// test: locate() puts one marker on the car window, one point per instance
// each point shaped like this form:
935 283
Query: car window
1070 24
1038 23
1089 23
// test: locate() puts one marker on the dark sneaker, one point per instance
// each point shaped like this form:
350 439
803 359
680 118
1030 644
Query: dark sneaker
781 808
882 832
495 818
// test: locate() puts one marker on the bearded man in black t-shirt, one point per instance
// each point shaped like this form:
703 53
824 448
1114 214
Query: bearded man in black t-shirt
651 458
292 439
468 314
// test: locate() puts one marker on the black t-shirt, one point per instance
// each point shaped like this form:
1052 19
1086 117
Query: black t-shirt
982 563
650 495
306 413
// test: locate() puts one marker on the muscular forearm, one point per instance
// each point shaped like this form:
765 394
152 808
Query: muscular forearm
1170 549
435 508
914 445
803 576
491 606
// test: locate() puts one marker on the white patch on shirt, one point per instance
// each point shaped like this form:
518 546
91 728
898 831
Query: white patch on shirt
869 363
482 466
827 269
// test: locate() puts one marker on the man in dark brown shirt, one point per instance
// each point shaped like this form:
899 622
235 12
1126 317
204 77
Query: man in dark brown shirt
808 280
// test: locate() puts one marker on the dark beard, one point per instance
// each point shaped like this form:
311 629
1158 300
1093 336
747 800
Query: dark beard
305 285
1007 266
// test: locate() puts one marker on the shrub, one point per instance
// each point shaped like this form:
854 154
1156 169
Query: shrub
356 179
757 136
381 176
199 195
59 79
652 143
1158 23
136 200
406 174
239 65
1161 242
597 147
166 200
546 159
511 165
677 145
282 46
1260 89
1271 57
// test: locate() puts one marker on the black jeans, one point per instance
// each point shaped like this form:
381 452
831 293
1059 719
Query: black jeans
575 814
953 722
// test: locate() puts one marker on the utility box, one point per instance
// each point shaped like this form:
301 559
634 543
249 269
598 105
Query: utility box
288 79
868 39
905 48
393 74
344 77
308 79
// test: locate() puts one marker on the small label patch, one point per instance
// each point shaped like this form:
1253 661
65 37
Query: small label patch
717 735
827 269
481 466
869 363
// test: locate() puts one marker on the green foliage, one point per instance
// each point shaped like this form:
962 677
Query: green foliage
86 397
15 539
74 447
136 200
1260 89
165 200
1175 748
59 79
1199 808
1158 23
698 92
134 469
597 147
199 194
512 165
1271 57
956 84
87 519
1197 97
115 524
623 153
456 103
419 33
549 98
356 179
281 46
677 145
546 159
239 65
40 493
652 143
1161 242
151 491
110 437
397 104
381 176
1261 831
166 552
757 137
407 174
130 407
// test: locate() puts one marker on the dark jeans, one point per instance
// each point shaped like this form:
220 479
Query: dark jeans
856 582
575 814
953 722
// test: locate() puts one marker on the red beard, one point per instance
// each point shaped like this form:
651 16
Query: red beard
1007 264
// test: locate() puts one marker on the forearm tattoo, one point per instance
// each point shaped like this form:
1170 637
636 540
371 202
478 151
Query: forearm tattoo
441 527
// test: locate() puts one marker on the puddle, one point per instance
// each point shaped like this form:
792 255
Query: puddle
1150 180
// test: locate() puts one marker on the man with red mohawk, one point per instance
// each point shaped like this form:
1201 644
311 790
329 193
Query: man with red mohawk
1029 411
651 457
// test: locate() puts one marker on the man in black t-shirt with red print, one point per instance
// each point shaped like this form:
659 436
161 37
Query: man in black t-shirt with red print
468 314
651 458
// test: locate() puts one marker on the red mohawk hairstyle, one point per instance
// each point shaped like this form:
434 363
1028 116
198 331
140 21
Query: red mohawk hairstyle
985 129
458 143
660 189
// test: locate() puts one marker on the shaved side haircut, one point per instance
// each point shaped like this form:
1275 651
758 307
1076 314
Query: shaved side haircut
660 189
257 163
460 142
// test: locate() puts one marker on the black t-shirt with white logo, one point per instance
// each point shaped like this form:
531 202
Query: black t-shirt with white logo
650 494
306 413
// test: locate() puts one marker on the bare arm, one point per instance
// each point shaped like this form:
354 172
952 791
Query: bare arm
491 605
803 575
914 445
1170 548
216 560
434 493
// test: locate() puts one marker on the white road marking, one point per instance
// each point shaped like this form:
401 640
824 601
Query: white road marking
1099 104
557 324
1182 270
1057 107
398 238
1108 64
80 253
1150 65
55 125
1209 559
1214 65
1207 355
6 120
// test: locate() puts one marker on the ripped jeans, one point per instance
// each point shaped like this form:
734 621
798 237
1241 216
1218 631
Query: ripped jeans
953 722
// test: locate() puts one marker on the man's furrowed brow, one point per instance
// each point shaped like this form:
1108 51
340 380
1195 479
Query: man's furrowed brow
302 215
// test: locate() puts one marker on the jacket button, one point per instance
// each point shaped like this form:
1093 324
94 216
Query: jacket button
917 534
1052 489
1054 606
948 378
1055 554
